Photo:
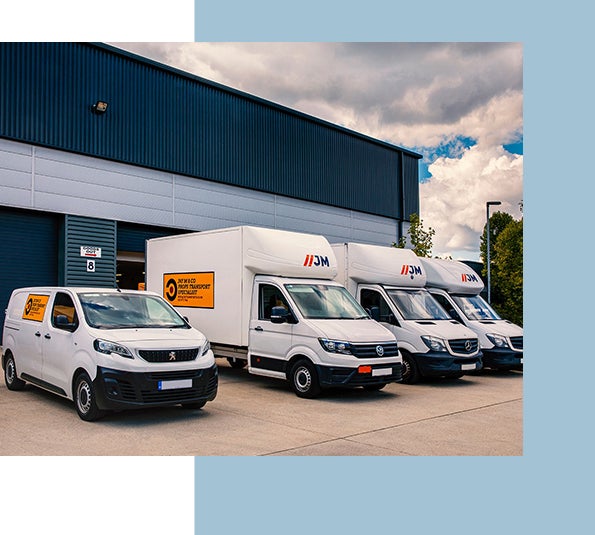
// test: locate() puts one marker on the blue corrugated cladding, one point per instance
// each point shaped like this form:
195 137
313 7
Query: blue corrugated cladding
164 119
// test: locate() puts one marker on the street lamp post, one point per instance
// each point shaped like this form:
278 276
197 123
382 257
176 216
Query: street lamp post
488 204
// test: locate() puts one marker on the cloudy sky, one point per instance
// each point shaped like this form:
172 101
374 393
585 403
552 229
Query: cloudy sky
460 105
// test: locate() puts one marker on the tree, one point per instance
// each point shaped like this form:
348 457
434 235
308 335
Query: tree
420 239
507 272
506 256
498 222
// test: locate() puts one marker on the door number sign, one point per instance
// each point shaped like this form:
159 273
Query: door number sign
91 266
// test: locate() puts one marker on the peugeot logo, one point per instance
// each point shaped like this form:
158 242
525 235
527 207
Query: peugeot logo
468 346
379 351
172 355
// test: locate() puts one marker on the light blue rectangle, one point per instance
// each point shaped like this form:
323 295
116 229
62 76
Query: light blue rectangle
546 490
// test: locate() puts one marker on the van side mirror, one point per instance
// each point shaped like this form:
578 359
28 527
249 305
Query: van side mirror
279 315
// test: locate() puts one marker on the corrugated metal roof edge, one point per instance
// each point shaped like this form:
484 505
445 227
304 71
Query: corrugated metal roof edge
248 96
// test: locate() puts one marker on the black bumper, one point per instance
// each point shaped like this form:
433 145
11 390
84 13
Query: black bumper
502 359
117 389
333 376
434 364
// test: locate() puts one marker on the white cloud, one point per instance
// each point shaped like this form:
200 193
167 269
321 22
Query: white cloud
453 201
415 95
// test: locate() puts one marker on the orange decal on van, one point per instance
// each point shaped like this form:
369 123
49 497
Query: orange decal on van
35 307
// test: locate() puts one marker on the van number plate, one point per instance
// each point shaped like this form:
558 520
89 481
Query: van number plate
171 385
467 366
381 371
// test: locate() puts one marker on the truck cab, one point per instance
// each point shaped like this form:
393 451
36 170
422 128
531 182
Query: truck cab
389 284
457 287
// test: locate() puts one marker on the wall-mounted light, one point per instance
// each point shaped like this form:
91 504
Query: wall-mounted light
99 107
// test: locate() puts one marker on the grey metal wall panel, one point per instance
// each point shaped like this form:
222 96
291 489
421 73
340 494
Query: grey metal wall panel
191 204
82 232
167 120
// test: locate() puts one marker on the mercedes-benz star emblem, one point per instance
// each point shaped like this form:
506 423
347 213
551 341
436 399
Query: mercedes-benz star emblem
172 355
468 345
379 351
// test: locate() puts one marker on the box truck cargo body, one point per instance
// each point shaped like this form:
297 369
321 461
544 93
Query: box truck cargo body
267 297
457 288
389 284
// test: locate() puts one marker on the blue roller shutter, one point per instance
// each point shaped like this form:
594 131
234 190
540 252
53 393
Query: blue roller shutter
28 252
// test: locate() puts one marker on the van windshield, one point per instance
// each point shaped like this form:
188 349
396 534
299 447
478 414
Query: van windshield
327 302
475 308
128 311
417 305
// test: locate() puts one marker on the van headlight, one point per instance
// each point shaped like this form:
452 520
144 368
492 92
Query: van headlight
435 344
205 348
498 340
335 346
106 347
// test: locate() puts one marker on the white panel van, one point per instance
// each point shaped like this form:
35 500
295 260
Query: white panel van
106 349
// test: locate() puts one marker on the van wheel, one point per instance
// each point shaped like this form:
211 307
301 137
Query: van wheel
237 363
304 379
10 375
85 400
410 374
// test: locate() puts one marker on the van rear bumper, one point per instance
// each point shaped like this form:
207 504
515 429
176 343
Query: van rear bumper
334 376
502 359
117 389
434 364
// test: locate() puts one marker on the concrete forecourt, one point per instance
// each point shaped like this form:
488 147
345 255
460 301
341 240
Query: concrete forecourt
478 414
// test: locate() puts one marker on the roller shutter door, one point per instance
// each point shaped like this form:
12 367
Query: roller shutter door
28 251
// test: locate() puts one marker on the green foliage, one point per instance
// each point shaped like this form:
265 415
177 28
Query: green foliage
420 239
506 254
507 272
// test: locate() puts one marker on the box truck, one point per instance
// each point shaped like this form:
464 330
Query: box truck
457 288
389 283
267 297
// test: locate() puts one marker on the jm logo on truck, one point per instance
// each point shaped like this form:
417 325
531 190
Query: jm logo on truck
411 270
193 290
468 277
316 260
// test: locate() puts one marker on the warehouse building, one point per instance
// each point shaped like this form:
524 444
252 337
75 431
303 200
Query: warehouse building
101 149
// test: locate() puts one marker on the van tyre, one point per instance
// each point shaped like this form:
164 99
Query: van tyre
10 374
410 374
85 400
304 379
237 363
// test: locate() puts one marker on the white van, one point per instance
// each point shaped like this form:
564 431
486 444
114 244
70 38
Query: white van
389 283
106 349
457 288
266 297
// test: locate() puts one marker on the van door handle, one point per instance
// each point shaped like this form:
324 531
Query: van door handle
47 336
259 328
